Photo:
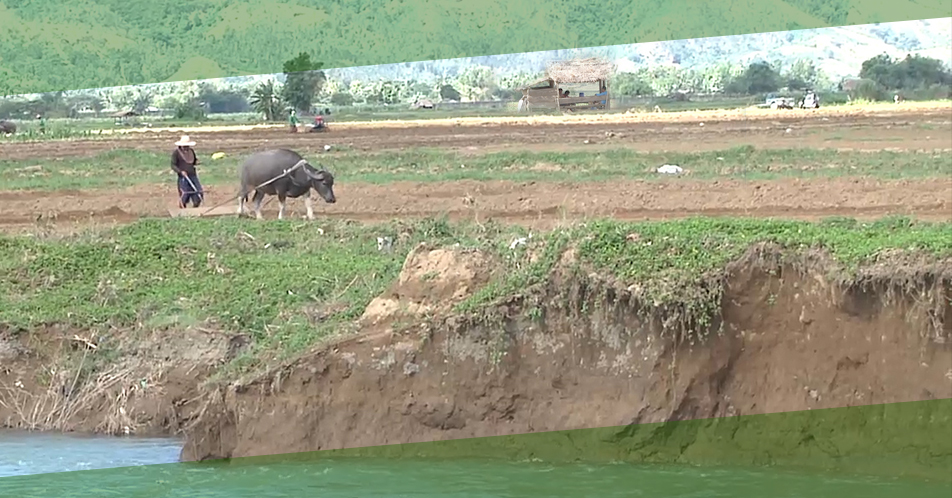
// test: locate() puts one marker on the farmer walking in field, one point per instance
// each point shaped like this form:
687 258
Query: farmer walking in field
293 121
184 161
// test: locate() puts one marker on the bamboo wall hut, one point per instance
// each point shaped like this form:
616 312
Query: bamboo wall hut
541 94
594 71
545 92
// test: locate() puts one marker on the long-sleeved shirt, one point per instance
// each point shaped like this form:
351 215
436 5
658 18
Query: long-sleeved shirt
181 165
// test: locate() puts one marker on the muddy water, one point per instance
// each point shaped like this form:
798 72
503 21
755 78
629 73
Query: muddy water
25 454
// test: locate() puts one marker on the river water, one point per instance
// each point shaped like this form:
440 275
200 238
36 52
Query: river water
35 465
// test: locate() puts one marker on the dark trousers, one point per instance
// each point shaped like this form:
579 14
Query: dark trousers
189 191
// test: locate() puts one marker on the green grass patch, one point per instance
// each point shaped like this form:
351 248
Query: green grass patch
289 284
675 262
285 284
124 167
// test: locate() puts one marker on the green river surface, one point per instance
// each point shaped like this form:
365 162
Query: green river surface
57 465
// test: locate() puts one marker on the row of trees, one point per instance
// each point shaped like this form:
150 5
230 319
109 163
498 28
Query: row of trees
305 85
724 78
879 76
912 75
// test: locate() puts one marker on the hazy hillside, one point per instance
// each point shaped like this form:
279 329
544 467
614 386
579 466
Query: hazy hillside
839 51
51 44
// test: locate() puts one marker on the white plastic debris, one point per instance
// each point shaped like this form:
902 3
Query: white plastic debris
670 169
384 244
521 241
327 148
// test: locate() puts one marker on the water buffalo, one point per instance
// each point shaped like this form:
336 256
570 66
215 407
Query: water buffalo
263 166
8 127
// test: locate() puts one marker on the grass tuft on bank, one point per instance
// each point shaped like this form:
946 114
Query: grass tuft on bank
290 284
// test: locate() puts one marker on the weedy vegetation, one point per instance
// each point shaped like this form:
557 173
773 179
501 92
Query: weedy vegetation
678 268
289 285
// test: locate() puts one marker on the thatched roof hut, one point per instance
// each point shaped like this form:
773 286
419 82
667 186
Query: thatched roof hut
544 93
590 70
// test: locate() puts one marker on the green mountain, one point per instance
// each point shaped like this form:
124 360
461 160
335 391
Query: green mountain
52 44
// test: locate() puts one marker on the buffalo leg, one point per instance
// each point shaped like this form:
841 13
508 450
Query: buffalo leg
282 202
309 205
259 196
241 203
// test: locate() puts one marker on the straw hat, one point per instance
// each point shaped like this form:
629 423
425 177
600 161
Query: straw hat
185 142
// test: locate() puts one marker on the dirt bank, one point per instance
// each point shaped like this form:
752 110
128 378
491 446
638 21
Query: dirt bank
579 351
116 383
585 353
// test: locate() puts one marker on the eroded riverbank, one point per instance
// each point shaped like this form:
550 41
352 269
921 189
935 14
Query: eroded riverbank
557 334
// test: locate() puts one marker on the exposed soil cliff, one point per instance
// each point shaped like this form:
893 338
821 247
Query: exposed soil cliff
123 383
583 353
580 351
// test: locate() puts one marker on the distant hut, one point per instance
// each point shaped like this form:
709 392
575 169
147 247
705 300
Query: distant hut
593 71
540 94
124 117
423 104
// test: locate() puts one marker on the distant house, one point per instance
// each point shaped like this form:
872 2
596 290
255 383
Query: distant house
423 104
122 117
593 71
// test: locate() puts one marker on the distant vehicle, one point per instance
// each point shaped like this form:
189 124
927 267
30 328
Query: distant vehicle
810 101
776 102
319 124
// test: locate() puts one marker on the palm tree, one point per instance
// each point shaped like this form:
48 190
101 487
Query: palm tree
266 101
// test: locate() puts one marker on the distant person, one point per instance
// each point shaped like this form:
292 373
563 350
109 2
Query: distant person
319 122
602 91
42 123
293 121
184 161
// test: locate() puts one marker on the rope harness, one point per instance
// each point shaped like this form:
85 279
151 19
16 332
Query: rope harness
285 173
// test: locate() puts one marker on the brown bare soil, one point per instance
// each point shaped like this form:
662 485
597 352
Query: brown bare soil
543 204
885 128
537 204
925 130
793 340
